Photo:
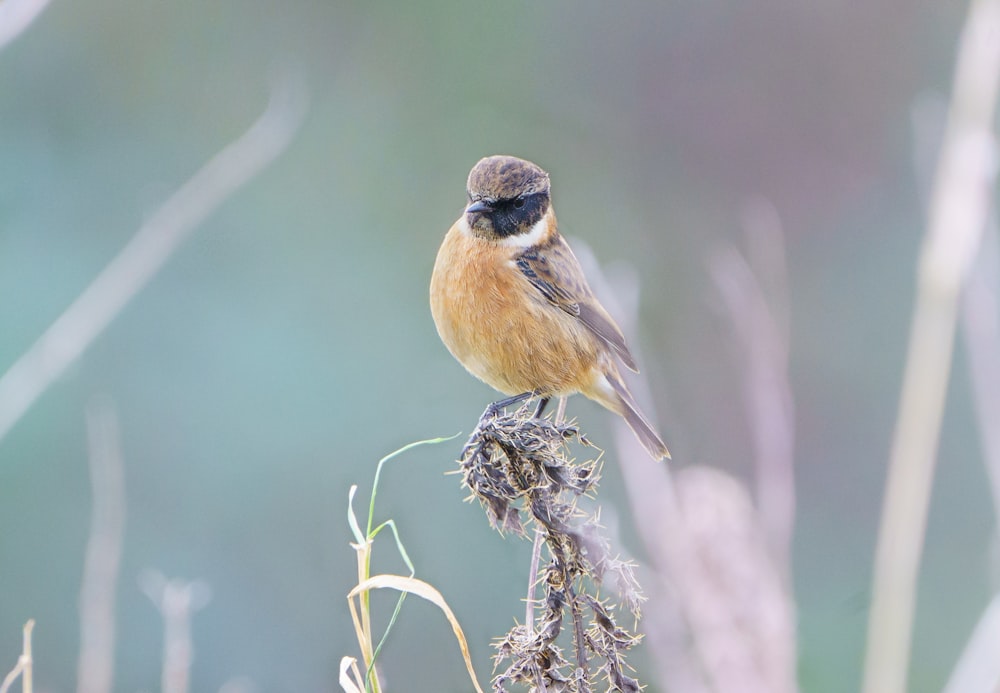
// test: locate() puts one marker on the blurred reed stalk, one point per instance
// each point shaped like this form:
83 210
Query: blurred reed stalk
755 294
148 250
16 16
102 558
23 668
177 601
981 330
723 616
958 211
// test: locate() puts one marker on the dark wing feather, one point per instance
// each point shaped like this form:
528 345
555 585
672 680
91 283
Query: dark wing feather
555 272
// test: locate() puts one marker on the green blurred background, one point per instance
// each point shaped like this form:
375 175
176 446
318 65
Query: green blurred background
288 345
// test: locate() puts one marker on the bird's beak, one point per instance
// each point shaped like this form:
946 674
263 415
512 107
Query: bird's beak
479 207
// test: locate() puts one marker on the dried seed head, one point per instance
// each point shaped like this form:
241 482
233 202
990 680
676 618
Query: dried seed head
516 463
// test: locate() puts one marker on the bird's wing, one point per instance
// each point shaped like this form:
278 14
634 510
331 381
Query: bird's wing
555 272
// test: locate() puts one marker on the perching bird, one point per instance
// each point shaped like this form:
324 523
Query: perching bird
512 305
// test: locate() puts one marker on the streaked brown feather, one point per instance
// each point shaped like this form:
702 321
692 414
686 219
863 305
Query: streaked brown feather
553 269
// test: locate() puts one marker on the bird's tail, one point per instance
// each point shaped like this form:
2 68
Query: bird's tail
621 401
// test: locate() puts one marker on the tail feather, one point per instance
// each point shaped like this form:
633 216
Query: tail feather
629 410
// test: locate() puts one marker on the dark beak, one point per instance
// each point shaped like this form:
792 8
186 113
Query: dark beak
479 207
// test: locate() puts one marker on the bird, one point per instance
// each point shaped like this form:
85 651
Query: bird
512 305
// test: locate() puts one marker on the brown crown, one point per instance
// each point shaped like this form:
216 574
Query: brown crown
504 178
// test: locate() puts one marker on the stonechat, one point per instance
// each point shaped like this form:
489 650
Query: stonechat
511 303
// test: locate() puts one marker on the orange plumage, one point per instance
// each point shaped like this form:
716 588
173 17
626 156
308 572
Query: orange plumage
511 303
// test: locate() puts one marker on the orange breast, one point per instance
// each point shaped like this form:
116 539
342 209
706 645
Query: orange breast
501 328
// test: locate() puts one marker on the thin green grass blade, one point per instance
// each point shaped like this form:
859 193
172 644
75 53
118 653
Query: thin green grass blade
402 595
399 543
391 455
352 519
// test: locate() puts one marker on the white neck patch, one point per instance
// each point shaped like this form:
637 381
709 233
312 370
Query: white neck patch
535 236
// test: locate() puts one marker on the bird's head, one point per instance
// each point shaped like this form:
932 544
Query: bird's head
507 197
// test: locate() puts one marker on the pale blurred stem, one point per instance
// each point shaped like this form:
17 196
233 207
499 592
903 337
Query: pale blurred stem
95 666
176 601
958 212
650 489
16 16
24 664
760 322
147 251
978 667
981 329
27 684
536 549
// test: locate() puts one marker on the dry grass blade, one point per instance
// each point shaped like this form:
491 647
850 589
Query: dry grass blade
364 540
348 667
362 621
401 583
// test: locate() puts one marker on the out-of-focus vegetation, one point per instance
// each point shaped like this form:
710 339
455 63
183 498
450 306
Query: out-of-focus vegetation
288 345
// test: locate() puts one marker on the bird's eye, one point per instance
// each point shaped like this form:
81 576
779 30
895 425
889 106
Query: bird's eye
519 202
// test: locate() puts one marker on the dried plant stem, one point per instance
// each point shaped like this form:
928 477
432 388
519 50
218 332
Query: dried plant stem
536 556
24 664
362 622
561 410
518 463
958 212
536 551
576 610
146 253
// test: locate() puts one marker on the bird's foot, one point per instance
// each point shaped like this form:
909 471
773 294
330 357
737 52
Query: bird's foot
494 408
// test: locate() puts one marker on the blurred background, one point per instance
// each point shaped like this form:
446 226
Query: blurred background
288 344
